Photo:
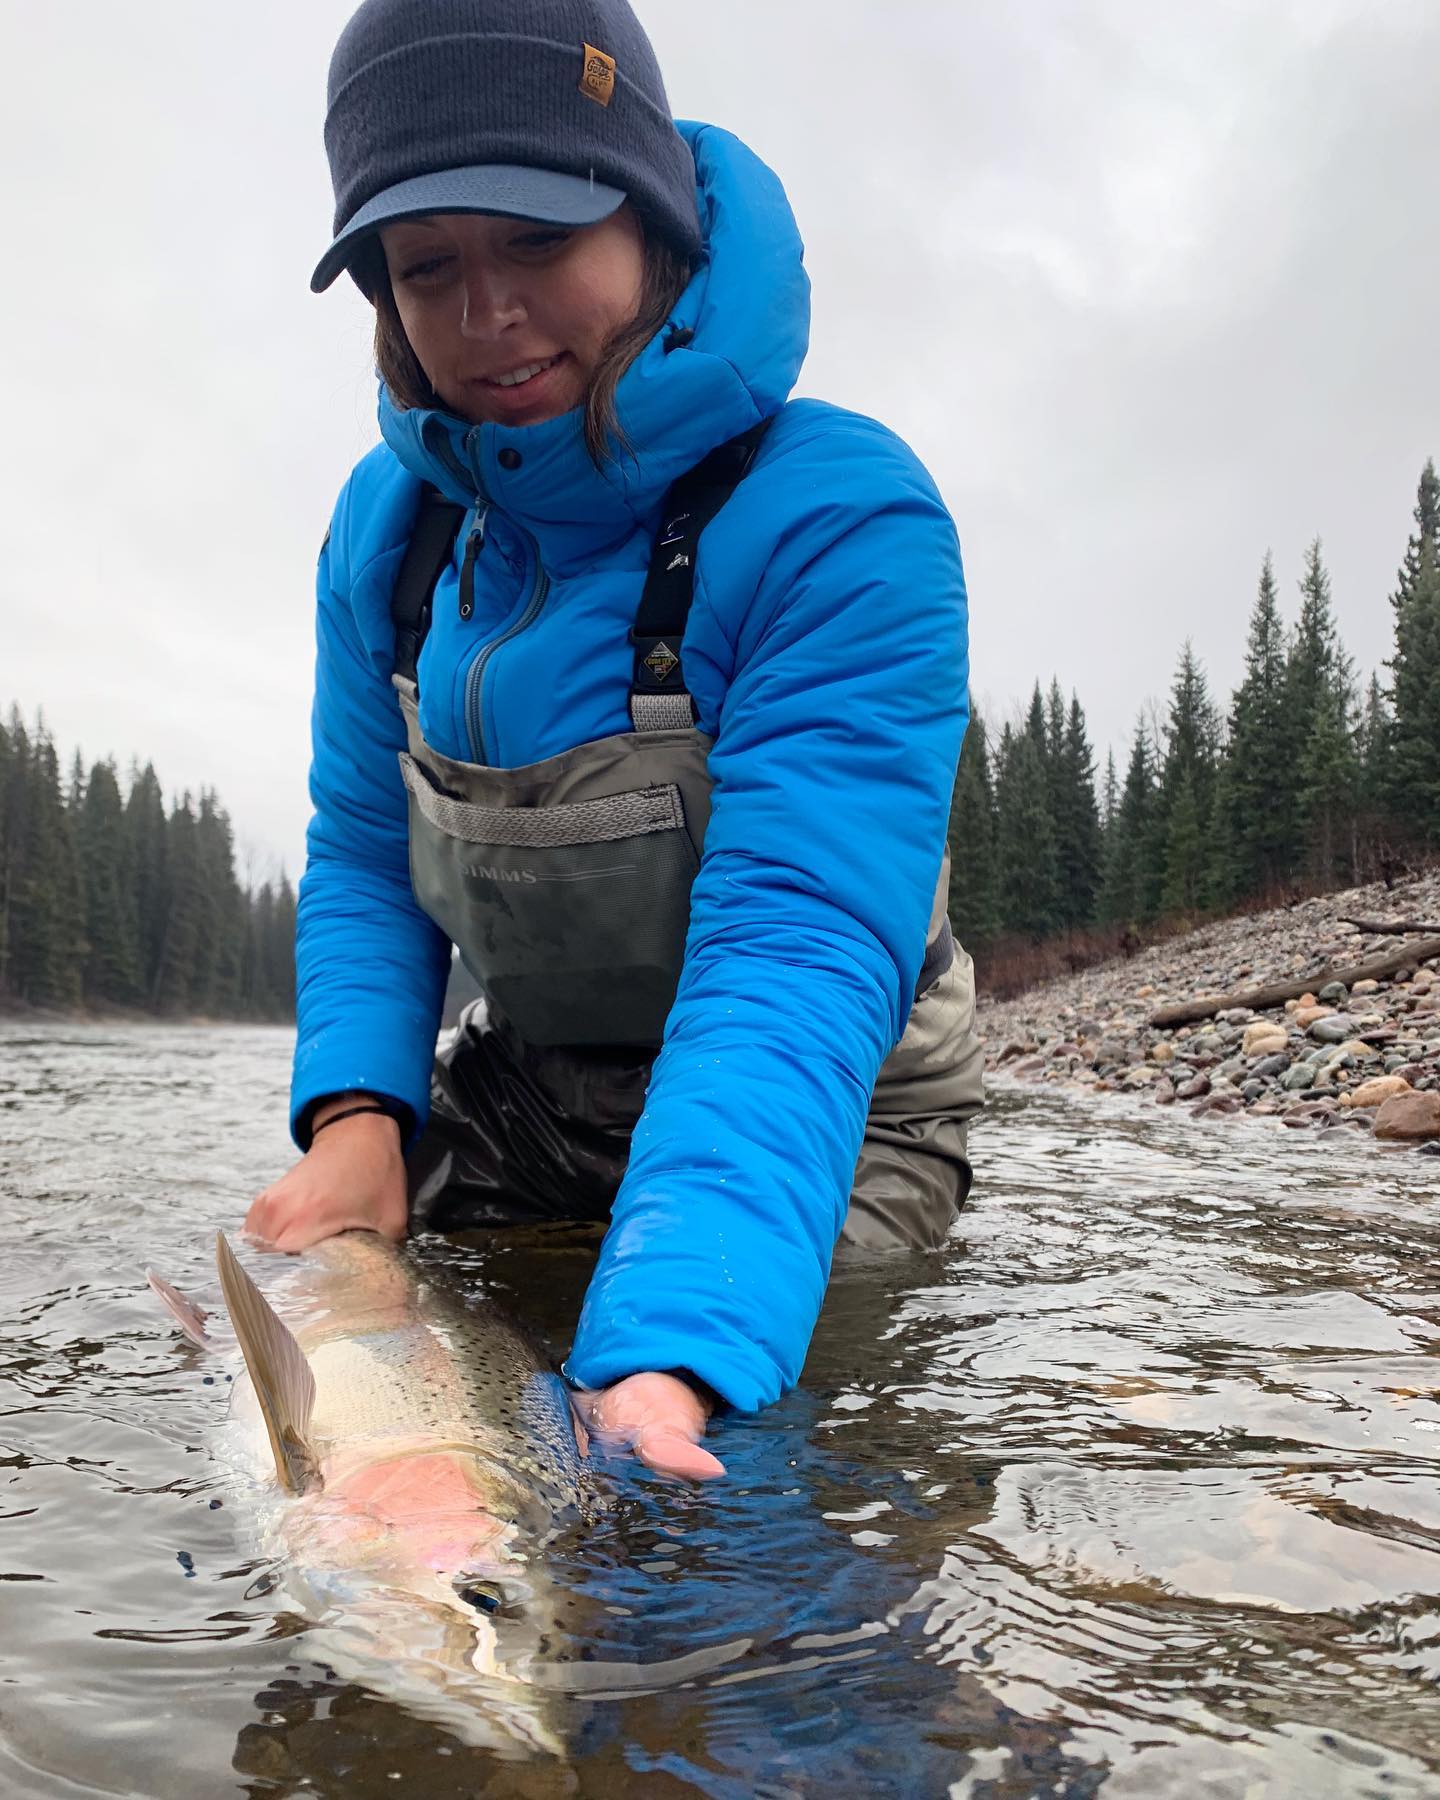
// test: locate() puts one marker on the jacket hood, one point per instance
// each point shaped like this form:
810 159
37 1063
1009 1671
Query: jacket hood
748 306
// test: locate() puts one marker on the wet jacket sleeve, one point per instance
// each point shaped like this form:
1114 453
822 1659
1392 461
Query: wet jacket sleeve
834 763
370 966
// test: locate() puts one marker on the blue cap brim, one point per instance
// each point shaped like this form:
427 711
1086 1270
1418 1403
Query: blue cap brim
502 188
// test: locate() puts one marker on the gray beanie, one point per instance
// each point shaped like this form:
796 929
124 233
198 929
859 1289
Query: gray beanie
535 109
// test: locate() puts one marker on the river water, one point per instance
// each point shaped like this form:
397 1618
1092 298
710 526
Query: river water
1132 1491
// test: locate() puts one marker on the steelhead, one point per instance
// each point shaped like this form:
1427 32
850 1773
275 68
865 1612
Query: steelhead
421 1449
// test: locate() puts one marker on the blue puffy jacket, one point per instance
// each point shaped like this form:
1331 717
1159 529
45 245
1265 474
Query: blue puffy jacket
826 652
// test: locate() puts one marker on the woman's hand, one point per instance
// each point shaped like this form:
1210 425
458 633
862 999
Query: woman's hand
660 1417
352 1178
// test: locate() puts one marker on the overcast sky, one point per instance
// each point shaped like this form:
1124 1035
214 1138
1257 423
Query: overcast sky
1149 288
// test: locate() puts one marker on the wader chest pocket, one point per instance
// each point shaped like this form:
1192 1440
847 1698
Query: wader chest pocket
572 917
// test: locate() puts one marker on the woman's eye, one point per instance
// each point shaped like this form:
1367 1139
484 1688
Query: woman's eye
423 270
542 240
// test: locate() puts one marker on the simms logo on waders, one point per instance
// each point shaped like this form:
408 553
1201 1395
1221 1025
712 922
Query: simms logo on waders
484 872
662 662
597 78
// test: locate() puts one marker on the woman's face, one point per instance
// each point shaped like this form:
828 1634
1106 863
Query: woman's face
482 298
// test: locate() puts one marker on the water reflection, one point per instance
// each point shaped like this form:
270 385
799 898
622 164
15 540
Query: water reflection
1131 1491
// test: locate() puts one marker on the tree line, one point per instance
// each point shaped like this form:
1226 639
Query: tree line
109 899
1307 780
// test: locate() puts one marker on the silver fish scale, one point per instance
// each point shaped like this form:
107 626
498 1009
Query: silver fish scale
395 1357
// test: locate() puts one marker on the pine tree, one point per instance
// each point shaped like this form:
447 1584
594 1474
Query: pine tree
1320 682
112 964
14 793
221 947
1025 837
1185 817
1077 822
1110 800
974 891
46 923
1414 747
145 830
1130 892
1257 797
180 970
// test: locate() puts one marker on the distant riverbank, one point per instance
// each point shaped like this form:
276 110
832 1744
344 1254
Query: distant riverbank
1362 1053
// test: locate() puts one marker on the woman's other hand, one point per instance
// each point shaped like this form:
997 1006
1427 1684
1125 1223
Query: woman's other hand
352 1178
659 1417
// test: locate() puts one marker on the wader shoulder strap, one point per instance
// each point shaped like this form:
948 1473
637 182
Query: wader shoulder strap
431 546
659 698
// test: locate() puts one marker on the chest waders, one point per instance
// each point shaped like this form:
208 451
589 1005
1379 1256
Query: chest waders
565 887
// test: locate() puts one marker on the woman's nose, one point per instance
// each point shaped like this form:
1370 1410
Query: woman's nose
491 301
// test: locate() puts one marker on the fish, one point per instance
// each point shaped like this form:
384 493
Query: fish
411 1454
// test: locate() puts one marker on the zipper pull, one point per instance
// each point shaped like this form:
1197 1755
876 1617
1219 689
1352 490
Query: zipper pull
474 544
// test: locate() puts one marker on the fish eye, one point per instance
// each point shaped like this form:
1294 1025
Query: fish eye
484 1596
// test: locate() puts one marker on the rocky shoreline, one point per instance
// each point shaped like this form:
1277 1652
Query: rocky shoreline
1365 1056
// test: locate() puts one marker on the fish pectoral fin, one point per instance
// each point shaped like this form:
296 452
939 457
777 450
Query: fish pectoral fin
283 1382
186 1314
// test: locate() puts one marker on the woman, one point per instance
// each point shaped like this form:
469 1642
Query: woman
664 795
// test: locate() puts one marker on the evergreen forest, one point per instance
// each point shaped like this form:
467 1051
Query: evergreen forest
108 899
1307 781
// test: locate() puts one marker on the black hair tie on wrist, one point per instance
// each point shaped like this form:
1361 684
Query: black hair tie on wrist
348 1112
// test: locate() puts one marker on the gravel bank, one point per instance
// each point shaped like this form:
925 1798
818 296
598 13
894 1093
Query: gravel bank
1367 1056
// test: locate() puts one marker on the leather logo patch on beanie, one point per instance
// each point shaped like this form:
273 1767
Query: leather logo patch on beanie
597 79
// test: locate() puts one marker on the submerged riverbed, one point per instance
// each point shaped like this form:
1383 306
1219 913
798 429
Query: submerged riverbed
1133 1491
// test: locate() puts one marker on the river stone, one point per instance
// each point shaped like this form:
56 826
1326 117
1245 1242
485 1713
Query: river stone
1251 1090
1230 1068
1431 1149
1334 991
1162 1053
1270 1066
1194 1088
1264 1038
1305 1016
1236 1015
1367 986
1297 1078
1409 1118
1333 1030
1376 1091
1141 1077
1217 1103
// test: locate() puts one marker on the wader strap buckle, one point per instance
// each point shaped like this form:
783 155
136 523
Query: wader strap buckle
659 698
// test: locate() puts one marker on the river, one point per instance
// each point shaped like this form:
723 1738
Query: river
1132 1491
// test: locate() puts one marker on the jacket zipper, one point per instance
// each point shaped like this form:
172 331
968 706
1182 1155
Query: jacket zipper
474 544
474 719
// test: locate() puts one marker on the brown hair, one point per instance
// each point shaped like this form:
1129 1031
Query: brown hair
666 272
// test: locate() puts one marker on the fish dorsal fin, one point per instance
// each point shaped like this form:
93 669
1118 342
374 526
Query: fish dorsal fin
279 1373
186 1314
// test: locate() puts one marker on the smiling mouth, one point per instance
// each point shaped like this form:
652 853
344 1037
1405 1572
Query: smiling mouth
526 373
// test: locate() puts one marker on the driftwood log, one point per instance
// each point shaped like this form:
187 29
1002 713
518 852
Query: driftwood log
1394 927
1259 999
